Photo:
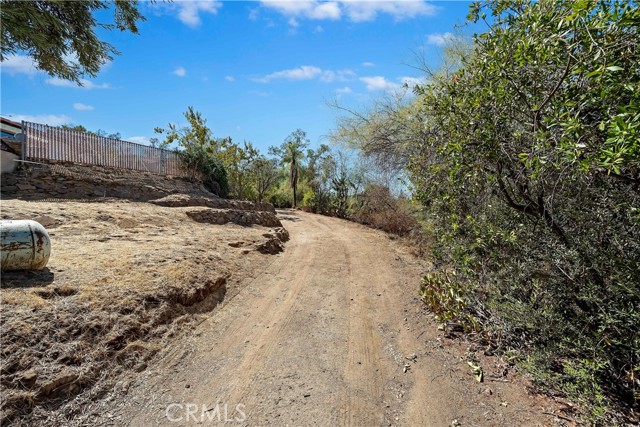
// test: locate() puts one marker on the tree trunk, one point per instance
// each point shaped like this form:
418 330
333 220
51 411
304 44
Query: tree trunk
294 195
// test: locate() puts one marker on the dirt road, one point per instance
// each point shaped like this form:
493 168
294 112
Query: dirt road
330 334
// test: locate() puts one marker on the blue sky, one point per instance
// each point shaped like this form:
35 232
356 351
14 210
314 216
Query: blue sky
255 70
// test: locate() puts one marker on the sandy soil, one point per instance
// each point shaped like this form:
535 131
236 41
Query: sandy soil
124 279
328 333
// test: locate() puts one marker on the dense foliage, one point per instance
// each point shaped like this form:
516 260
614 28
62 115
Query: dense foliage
199 151
531 177
291 154
61 36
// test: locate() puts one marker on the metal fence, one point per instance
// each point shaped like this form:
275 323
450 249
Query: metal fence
46 143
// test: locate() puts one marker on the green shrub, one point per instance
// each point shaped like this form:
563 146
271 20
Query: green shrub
530 176
448 299
309 200
207 167
280 198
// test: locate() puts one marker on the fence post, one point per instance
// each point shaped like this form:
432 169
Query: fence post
24 140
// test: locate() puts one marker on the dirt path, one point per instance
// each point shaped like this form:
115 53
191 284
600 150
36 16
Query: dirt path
322 337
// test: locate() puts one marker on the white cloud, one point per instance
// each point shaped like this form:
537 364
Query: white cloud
189 10
379 83
439 39
180 72
22 64
343 91
230 78
318 29
329 76
85 84
328 10
18 64
47 119
139 140
355 10
359 11
368 64
253 14
305 72
309 72
82 107
310 9
376 83
293 22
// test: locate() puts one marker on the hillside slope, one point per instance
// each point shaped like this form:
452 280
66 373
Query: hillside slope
124 277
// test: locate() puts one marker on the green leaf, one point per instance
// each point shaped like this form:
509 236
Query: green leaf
615 68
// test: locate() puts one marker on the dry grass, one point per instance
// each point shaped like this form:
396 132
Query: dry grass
378 208
120 279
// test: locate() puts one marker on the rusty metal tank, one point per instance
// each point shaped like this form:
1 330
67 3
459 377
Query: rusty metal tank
24 245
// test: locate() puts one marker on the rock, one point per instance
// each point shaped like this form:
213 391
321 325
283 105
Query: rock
25 187
281 233
9 180
413 357
245 218
186 200
271 246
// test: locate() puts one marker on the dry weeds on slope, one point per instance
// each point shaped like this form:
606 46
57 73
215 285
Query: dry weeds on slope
122 279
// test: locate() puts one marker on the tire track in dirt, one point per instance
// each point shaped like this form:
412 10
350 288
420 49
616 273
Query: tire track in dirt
363 397
243 382
319 338
289 325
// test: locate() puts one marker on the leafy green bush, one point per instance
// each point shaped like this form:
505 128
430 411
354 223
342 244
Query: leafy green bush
208 167
309 201
199 151
448 299
280 198
530 175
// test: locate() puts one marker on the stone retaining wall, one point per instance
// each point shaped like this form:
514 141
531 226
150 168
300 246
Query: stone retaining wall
240 217
186 200
90 182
